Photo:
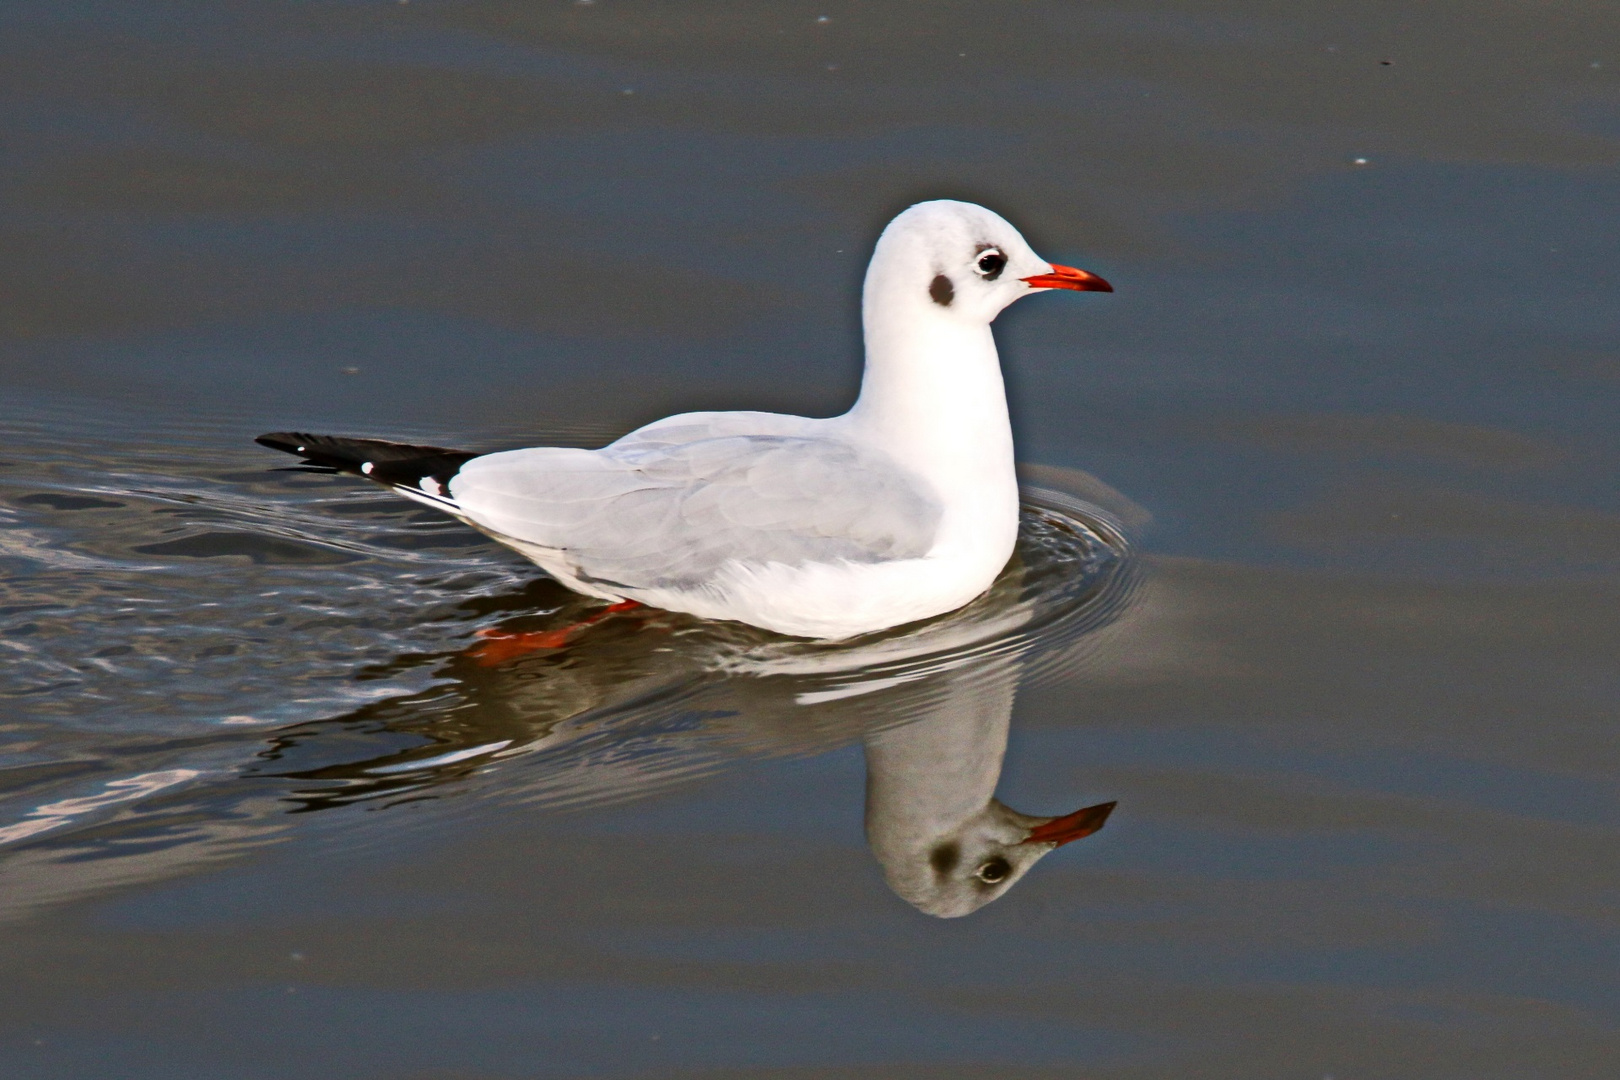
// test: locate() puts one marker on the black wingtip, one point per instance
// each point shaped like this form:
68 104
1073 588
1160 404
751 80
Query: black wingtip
314 449
280 440
391 463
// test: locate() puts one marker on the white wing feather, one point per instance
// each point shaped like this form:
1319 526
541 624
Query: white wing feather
670 505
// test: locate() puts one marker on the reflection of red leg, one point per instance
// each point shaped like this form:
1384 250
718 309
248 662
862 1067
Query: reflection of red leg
500 646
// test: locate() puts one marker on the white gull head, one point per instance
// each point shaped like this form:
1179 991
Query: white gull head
960 260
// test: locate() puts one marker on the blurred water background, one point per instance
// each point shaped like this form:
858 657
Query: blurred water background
1319 579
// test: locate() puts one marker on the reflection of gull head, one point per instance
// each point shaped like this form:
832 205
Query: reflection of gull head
947 846
965 867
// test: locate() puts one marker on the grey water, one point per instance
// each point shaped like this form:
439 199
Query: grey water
1319 578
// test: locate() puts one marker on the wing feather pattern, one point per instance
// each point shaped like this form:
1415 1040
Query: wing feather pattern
669 505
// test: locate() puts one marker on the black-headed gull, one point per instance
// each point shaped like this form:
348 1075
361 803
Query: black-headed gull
903 508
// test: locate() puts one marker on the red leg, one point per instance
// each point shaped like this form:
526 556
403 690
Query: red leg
500 646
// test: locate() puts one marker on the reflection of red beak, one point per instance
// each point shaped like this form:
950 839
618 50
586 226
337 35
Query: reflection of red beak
1060 831
1067 277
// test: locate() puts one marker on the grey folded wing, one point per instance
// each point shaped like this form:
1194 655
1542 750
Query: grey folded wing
651 514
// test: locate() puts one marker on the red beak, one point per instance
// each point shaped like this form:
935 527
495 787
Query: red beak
1067 277
1081 823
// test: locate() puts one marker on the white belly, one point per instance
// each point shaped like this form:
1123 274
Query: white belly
816 600
828 600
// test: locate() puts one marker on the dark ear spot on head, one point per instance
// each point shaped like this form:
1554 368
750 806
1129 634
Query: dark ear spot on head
942 290
944 858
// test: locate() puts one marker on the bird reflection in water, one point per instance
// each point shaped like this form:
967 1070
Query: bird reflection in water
619 705
946 843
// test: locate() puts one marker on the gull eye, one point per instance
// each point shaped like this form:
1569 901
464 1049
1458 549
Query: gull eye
996 870
991 263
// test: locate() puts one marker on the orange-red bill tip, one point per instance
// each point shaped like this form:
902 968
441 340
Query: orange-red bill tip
1081 823
1067 277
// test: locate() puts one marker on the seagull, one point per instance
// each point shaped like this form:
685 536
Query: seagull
903 508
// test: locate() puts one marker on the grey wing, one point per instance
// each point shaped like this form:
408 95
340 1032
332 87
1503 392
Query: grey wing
692 427
668 515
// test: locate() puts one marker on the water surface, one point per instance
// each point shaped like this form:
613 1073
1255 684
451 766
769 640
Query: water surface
1343 650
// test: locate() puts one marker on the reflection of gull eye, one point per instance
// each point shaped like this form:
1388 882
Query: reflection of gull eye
990 264
995 870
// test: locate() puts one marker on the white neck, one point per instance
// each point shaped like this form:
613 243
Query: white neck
932 397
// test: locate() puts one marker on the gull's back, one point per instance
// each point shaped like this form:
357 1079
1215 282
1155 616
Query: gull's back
701 502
